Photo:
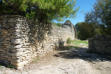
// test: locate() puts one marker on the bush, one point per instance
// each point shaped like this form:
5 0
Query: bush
85 30
69 41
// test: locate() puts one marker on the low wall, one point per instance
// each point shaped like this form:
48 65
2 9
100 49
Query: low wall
100 44
21 41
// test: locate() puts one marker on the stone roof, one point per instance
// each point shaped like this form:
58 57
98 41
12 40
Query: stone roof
68 23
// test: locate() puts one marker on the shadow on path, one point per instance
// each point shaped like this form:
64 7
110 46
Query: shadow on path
72 52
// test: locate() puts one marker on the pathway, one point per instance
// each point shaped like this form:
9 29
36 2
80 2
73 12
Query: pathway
72 61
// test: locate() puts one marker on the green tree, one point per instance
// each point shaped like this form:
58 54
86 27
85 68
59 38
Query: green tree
13 7
101 15
42 10
85 30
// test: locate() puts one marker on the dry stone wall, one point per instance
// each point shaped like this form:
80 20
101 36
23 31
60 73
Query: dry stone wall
100 44
19 44
14 42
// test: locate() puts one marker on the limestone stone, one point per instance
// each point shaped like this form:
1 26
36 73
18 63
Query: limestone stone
100 44
20 41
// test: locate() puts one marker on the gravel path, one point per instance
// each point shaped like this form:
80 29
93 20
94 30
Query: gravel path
73 61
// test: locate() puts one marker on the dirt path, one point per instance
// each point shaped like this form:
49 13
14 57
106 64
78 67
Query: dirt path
73 61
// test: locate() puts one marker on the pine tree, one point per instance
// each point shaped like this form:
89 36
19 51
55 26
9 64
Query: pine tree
101 15
42 10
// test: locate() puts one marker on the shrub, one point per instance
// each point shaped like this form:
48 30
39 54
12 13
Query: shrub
69 41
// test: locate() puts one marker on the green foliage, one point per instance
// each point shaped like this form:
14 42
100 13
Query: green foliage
98 31
101 15
43 10
13 7
57 24
85 30
11 66
7 65
68 41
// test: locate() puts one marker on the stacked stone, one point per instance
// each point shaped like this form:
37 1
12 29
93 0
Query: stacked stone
100 44
52 40
7 34
16 34
14 43
25 52
63 33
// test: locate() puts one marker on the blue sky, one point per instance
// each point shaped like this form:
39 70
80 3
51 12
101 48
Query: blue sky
84 7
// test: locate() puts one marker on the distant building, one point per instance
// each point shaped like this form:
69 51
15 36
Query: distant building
70 26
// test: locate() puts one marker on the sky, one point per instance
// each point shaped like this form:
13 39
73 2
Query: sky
84 7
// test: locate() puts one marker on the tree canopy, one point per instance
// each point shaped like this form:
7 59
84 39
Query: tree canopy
42 10
85 30
101 15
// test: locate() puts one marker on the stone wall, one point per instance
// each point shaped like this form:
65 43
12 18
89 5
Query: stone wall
100 44
21 41
14 42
